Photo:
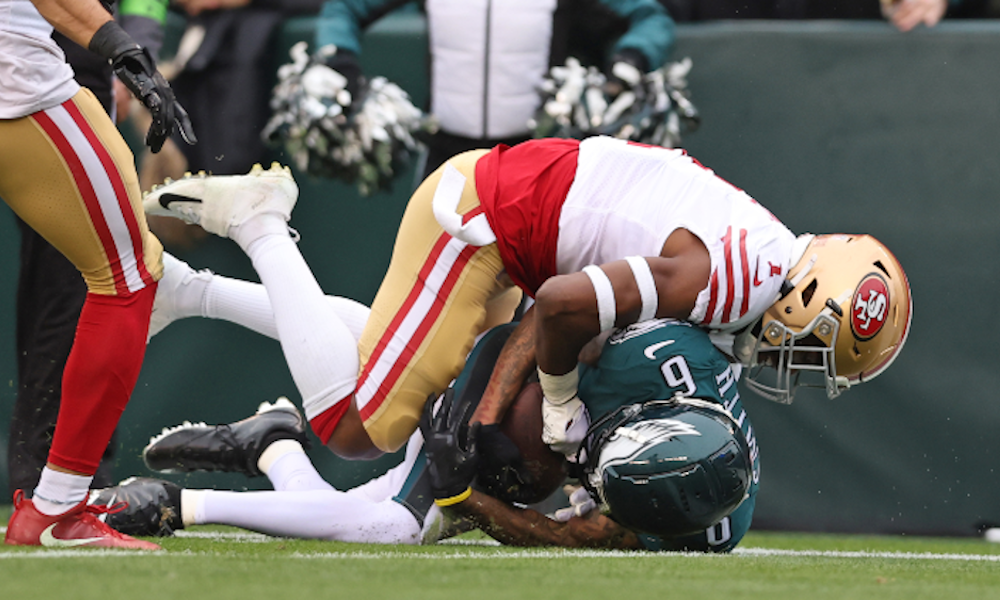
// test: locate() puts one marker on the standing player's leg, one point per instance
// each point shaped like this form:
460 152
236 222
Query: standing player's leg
69 175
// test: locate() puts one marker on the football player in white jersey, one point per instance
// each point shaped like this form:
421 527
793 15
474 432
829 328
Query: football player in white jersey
66 171
602 233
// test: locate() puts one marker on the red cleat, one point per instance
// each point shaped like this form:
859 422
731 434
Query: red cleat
80 527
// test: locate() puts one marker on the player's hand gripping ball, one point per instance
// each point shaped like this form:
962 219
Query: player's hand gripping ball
516 465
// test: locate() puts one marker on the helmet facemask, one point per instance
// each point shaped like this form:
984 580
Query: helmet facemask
780 355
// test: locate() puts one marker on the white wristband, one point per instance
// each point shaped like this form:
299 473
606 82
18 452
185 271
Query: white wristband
607 310
647 286
559 389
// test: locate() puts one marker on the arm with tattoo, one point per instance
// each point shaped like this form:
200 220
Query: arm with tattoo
515 363
526 527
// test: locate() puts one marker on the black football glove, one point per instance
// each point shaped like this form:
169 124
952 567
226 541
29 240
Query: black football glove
502 472
136 68
625 72
451 451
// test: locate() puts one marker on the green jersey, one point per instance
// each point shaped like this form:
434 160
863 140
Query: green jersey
659 359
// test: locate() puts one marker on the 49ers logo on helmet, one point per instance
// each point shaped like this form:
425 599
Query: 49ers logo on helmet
870 307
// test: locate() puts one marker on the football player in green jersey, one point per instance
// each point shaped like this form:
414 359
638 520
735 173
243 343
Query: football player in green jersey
670 463
699 453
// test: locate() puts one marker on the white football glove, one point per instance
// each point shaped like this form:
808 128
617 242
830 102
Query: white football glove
580 503
564 425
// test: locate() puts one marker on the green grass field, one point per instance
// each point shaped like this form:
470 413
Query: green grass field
222 563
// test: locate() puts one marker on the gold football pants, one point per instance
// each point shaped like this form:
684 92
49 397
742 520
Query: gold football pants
67 172
437 296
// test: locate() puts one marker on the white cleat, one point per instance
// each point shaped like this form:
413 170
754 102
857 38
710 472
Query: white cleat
219 202
180 286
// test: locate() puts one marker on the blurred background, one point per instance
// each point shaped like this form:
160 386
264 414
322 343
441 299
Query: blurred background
834 120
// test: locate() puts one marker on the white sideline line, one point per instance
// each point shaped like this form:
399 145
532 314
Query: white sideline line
497 554
570 553
233 536
461 554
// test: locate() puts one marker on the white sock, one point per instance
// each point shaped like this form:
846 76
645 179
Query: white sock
58 492
192 506
276 450
258 226
188 298
318 514
248 305
320 350
241 302
294 472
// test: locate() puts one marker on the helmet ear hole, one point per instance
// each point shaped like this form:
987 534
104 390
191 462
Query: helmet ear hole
808 292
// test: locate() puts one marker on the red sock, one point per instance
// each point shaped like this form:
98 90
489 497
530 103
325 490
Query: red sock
100 374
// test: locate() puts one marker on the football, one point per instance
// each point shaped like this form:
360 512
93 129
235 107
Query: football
523 425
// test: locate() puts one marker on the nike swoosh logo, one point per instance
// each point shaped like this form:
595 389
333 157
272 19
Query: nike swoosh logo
756 273
650 351
50 541
167 198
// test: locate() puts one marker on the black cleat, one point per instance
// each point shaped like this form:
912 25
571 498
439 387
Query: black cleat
141 506
232 448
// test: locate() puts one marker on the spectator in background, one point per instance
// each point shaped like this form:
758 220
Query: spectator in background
50 291
904 14
225 83
907 14
487 58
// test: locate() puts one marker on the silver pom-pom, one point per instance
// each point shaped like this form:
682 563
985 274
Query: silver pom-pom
654 108
365 140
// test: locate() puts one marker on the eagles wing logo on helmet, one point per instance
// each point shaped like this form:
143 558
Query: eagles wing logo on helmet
632 438
871 301
668 467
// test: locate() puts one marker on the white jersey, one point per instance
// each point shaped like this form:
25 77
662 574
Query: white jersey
657 191
558 205
34 75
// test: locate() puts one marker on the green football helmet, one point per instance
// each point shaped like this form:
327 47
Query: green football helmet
668 467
